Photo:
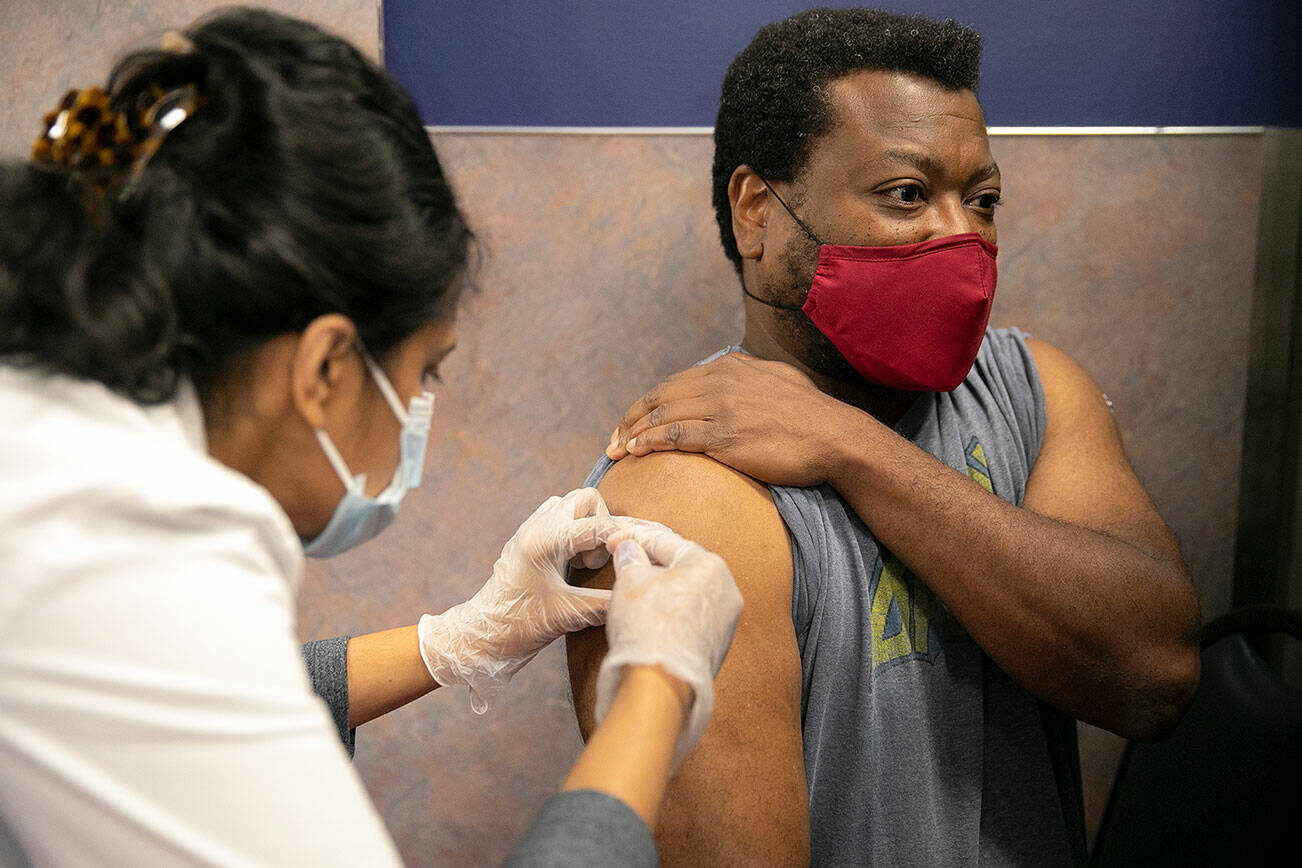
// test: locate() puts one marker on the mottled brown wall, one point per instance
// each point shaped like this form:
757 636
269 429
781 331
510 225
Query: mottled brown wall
603 272
1135 254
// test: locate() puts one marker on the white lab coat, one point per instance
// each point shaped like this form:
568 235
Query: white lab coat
154 706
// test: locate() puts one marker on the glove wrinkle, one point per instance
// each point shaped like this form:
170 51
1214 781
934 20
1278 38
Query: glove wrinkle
525 604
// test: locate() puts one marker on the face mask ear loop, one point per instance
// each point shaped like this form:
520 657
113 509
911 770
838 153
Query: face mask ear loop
805 229
418 412
382 380
787 208
336 460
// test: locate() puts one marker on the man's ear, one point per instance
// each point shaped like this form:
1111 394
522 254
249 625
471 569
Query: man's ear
324 366
750 200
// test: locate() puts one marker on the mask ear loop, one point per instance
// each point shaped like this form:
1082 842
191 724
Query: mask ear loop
415 421
805 229
390 397
787 208
336 460
417 418
391 394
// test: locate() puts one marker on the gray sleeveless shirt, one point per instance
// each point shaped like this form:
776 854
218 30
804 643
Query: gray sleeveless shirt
918 749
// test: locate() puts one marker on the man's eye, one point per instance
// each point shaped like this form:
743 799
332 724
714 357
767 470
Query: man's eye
909 194
987 201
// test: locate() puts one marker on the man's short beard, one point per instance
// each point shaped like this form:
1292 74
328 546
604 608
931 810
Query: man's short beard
793 328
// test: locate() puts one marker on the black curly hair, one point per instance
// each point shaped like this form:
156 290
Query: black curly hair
774 106
305 184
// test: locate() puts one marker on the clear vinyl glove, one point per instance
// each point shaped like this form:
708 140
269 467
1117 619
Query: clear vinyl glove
526 603
676 606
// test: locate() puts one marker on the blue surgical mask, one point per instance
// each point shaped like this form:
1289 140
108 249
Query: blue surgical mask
359 517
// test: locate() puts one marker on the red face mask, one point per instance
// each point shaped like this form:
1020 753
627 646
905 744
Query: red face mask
909 317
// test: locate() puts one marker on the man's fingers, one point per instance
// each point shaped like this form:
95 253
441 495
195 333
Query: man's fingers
693 383
693 409
676 387
788 373
681 436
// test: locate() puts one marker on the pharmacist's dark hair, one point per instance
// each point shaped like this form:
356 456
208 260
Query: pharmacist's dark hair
774 103
303 184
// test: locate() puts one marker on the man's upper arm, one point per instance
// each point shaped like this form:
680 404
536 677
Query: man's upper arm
740 795
1081 475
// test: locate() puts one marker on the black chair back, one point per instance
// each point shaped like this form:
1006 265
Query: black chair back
1226 787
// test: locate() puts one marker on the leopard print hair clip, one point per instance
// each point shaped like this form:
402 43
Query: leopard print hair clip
85 133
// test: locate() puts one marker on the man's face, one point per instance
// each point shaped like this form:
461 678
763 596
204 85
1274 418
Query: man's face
905 161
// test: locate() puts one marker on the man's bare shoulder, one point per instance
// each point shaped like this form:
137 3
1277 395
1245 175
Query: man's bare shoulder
710 503
679 480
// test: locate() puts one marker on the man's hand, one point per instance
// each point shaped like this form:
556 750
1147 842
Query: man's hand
764 418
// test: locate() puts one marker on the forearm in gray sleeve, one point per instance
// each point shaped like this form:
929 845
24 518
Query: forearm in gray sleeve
327 664
585 828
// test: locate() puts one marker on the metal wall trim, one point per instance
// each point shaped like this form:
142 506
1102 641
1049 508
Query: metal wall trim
994 131
577 131
1126 131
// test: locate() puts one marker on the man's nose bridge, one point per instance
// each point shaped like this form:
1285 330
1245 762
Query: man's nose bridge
949 217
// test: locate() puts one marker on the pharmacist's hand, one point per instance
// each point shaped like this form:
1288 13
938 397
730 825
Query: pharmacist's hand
676 606
526 603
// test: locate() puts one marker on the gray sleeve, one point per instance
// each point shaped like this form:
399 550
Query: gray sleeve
584 827
327 665
1025 391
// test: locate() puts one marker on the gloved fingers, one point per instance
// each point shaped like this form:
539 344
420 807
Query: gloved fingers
664 547
629 553
579 503
634 571
594 593
590 560
547 505
597 558
587 535
589 608
584 502
588 503
628 527
482 696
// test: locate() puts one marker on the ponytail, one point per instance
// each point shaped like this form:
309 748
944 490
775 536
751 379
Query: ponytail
73 299
301 183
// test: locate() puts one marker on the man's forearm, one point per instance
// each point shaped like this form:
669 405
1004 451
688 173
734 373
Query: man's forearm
1094 625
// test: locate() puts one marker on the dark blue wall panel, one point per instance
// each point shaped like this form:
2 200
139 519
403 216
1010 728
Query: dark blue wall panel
660 62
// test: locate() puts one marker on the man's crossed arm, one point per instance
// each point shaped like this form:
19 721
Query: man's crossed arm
1080 594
